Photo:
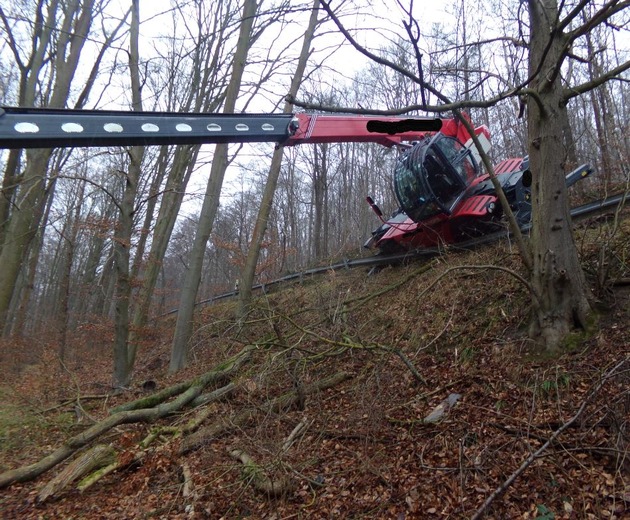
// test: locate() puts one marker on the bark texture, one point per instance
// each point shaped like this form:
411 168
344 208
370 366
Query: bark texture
557 276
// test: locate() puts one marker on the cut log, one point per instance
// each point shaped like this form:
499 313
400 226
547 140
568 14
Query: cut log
97 457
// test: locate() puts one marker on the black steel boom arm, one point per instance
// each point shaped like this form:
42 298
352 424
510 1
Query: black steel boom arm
48 128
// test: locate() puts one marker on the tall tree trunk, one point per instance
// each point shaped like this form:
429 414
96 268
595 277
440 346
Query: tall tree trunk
124 230
184 325
158 177
557 276
598 100
249 269
105 287
25 218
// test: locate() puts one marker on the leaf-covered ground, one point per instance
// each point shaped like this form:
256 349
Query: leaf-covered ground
365 450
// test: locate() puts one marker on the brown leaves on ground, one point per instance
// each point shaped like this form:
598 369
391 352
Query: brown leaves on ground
364 450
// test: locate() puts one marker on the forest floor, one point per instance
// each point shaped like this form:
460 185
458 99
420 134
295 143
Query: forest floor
405 339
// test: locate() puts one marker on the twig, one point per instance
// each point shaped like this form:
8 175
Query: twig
503 487
224 425
298 430
409 365
75 399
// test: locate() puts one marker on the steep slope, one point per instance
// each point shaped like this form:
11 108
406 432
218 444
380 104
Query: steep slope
328 419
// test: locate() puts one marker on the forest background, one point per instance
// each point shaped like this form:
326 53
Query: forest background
414 392
110 236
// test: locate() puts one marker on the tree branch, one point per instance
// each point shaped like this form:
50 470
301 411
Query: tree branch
594 83
572 15
599 17
379 59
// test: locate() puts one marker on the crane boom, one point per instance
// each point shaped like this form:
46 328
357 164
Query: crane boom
49 128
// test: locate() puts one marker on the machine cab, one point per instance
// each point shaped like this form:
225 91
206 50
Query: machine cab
432 176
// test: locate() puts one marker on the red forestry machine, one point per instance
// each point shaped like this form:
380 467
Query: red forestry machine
443 194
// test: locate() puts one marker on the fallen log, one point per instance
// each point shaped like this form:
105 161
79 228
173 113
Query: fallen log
221 427
152 400
32 471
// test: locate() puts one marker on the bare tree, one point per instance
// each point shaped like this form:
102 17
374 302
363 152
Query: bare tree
184 325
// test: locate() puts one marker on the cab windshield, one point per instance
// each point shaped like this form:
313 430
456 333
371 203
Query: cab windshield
432 176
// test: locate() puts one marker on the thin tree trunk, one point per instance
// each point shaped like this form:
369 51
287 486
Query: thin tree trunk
249 269
122 238
184 325
66 273
158 177
22 228
183 165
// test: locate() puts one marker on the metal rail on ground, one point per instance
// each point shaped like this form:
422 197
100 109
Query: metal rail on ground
583 211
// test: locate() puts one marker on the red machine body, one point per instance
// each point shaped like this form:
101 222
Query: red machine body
403 233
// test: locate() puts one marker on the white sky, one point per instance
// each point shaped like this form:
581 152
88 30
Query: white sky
376 20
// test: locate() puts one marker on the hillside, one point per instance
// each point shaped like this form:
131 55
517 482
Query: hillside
388 348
